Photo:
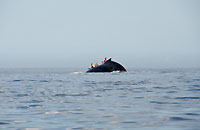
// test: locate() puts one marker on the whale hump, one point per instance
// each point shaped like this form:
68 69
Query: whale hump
108 66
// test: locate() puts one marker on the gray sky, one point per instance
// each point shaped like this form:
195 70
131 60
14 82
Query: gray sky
74 33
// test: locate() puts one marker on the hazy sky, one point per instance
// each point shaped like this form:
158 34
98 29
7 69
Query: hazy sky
74 33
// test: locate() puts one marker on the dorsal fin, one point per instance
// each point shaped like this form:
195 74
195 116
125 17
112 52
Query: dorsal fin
109 59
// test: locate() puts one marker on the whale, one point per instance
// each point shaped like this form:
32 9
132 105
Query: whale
108 66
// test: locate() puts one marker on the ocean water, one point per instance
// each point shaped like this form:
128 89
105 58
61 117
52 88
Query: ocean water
69 99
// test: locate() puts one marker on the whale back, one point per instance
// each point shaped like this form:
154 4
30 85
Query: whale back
108 66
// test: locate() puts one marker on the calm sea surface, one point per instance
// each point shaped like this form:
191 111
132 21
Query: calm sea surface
67 99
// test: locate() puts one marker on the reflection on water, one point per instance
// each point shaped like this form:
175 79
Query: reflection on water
37 99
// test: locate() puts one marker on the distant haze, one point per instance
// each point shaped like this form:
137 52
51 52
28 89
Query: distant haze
74 33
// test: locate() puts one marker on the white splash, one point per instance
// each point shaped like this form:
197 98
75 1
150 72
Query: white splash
77 73
115 71
52 112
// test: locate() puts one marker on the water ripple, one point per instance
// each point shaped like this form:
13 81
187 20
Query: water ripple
159 102
187 98
17 80
193 90
44 81
72 94
22 95
193 114
32 101
196 85
3 123
60 95
179 119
